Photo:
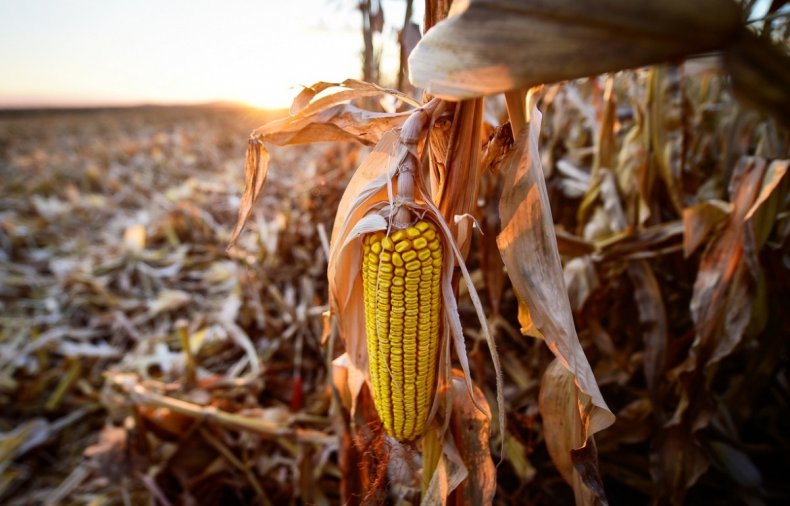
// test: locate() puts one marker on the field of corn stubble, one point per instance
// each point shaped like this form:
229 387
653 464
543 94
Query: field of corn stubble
113 231
142 362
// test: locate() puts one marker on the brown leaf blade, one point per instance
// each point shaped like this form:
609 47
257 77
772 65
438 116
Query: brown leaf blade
564 408
470 428
700 220
256 168
528 247
495 46
721 301
340 122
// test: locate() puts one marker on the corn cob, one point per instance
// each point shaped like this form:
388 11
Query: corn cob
401 276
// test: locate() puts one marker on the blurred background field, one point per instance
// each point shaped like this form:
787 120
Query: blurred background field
113 228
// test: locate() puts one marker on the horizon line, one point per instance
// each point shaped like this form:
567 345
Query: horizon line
111 104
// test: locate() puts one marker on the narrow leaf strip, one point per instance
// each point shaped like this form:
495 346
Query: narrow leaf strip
256 168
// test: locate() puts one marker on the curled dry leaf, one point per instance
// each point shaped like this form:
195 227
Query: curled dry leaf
315 118
306 102
565 424
764 211
700 220
528 233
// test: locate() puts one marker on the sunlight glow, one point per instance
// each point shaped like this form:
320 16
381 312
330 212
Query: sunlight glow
259 52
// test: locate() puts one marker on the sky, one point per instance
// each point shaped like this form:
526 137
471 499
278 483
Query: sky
119 52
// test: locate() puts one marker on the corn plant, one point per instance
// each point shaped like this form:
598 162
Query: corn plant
405 226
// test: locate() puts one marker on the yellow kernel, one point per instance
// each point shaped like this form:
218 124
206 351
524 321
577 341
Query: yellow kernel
422 255
403 246
409 256
422 226
412 232
398 235
411 265
387 244
397 261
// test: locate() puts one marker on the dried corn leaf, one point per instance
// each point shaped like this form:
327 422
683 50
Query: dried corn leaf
653 319
529 250
563 407
634 174
700 220
450 472
723 292
328 118
256 168
494 46
341 122
465 465
721 308
768 203
306 104
470 428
